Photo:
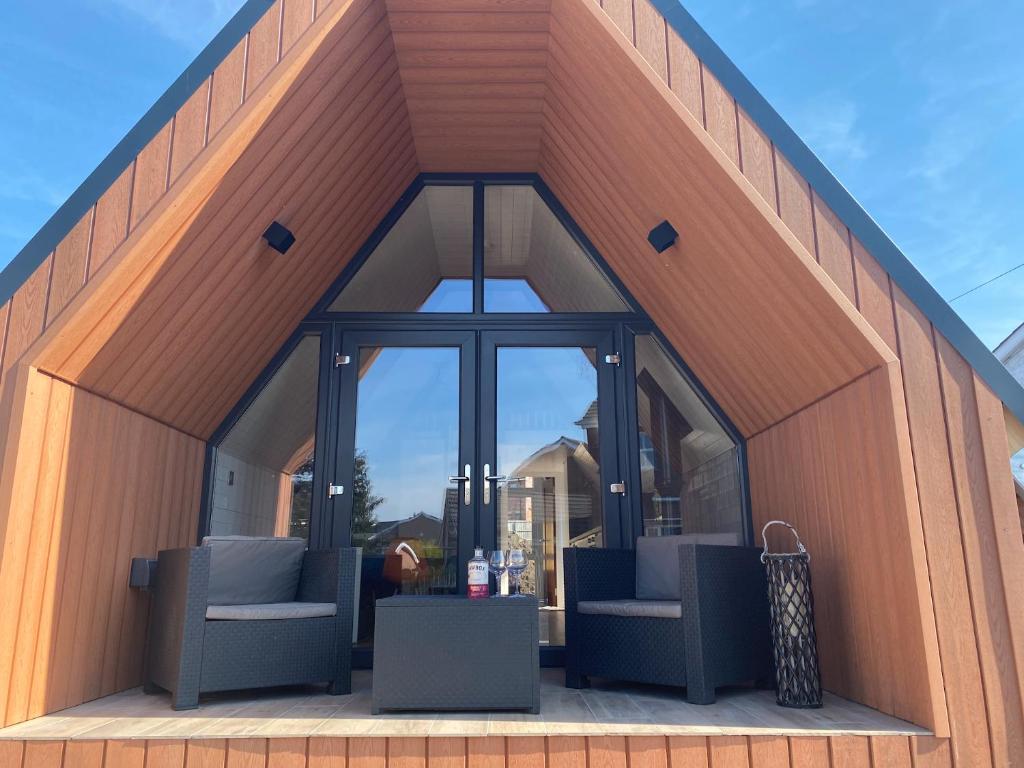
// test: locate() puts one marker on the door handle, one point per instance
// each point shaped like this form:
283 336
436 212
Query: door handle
467 494
489 478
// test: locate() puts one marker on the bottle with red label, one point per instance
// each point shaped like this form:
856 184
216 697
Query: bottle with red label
477 582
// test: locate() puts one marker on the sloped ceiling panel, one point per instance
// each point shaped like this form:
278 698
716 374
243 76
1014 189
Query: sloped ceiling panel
329 163
739 297
742 301
474 73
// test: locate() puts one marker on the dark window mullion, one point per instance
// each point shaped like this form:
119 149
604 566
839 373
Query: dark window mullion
478 247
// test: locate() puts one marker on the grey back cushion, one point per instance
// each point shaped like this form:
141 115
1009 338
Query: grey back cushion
657 562
246 569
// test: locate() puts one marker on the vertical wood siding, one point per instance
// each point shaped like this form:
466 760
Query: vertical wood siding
970 529
85 485
124 206
488 752
340 140
958 441
841 472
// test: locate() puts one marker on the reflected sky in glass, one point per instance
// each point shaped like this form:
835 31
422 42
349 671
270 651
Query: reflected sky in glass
450 295
500 295
542 393
511 295
407 416
407 425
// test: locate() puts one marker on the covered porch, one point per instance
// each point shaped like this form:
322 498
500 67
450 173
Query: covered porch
168 372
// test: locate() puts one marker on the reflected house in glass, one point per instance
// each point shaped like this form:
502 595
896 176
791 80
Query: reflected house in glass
471 342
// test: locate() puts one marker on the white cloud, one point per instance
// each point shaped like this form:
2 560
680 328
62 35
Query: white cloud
30 186
829 126
190 22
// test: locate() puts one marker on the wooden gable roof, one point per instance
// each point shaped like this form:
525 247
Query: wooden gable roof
865 420
332 123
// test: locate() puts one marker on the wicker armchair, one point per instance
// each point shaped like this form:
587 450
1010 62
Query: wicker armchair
716 634
196 644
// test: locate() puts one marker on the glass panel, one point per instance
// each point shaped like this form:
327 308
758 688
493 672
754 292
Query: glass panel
547 445
533 264
689 465
404 511
424 264
263 468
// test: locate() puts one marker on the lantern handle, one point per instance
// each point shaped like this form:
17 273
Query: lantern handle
802 550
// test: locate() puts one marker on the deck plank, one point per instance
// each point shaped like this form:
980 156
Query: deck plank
644 714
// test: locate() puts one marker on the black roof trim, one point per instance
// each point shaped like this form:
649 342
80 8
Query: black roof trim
846 207
824 183
99 181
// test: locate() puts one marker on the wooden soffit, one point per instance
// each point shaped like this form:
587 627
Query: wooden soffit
192 306
747 306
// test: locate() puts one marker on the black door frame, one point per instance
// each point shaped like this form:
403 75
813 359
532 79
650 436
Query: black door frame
336 517
478 428
333 327
602 340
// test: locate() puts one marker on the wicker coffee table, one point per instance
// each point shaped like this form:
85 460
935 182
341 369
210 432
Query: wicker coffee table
451 653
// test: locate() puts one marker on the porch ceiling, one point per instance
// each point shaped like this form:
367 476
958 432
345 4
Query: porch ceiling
193 305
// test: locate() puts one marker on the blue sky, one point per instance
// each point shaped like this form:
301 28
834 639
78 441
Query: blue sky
917 107
407 417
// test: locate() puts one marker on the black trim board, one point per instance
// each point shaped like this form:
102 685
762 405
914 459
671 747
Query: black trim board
46 240
845 206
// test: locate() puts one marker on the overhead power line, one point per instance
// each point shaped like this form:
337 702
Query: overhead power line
982 285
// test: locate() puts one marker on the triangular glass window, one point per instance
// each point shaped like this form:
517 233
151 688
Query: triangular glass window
531 262
424 264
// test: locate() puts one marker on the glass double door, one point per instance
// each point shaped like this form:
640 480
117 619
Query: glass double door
447 440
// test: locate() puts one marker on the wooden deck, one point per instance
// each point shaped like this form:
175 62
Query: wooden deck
604 710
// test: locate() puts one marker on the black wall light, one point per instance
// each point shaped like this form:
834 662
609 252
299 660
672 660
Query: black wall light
662 236
279 237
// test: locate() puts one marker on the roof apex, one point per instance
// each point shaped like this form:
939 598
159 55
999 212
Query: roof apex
800 156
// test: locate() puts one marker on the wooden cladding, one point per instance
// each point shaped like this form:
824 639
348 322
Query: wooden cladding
621 155
489 752
320 118
474 81
85 485
336 139
400 86
970 527
397 86
842 473
123 207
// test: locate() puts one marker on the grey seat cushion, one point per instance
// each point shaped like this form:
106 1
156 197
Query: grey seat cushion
247 569
654 609
657 562
264 611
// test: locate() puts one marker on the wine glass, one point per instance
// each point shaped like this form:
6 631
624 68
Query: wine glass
496 564
516 564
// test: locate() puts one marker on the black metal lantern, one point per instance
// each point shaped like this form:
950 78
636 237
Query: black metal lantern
794 642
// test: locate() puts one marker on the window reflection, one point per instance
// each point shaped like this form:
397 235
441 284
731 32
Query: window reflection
424 264
263 468
547 447
404 511
689 467
533 264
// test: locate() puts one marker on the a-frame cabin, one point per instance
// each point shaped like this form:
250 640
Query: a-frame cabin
482 176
